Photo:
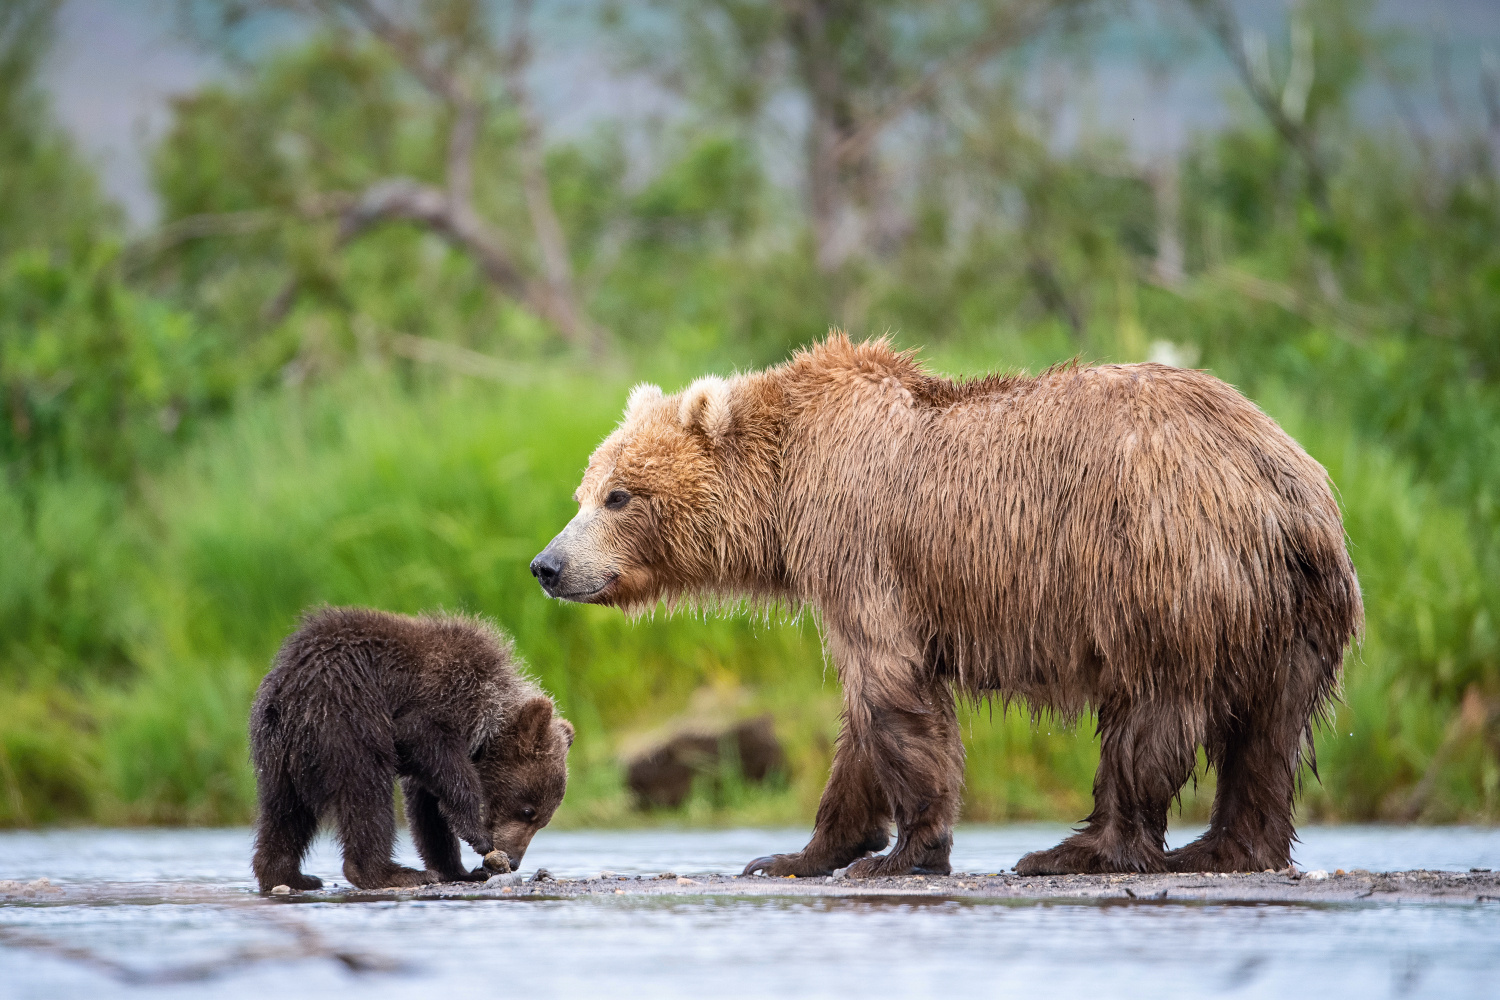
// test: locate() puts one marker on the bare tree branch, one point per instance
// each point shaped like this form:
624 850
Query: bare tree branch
405 46
1220 20
1020 23
450 211
557 262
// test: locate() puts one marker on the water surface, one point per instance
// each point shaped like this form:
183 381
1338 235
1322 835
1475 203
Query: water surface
626 946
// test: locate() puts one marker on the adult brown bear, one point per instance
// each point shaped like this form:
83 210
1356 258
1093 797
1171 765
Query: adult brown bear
1137 539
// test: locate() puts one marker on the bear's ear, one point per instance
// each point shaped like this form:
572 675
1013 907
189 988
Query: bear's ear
643 393
567 730
532 721
705 405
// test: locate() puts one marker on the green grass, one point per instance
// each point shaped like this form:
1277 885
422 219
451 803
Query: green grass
372 490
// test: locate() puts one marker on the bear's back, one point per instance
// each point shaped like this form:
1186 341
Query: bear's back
359 666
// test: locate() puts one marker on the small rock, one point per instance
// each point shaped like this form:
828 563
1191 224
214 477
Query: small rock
542 875
840 874
667 875
507 879
1317 875
607 874
497 862
281 890
1340 871
684 880
619 892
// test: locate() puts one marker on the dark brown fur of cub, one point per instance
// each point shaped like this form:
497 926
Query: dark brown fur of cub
357 698
1135 539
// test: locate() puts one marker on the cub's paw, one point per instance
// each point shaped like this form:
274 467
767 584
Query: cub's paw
399 877
782 865
297 882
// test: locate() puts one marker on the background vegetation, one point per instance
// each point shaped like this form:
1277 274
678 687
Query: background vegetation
387 314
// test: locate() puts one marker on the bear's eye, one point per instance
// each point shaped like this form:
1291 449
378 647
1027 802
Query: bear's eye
616 499
528 814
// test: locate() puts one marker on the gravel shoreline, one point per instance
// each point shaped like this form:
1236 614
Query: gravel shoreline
1356 886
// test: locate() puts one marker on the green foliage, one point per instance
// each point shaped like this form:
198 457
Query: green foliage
213 428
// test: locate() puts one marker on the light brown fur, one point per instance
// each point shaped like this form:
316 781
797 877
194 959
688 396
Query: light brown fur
1138 539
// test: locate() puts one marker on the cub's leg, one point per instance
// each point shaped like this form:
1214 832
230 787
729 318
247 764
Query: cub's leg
442 765
1148 753
364 806
1257 755
434 838
853 818
284 829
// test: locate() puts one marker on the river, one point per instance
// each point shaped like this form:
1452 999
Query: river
179 904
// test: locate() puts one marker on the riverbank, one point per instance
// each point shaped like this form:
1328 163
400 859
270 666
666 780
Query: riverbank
89 913
1290 886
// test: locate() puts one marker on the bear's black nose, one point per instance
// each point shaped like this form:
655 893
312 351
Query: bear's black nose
546 568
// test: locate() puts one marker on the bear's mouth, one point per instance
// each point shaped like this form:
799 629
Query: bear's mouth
592 596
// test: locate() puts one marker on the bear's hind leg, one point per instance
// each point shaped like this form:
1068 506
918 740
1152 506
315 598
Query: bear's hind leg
365 810
1257 755
435 839
1147 755
283 831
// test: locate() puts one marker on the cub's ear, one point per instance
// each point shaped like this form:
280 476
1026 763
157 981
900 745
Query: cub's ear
532 721
705 405
566 729
642 394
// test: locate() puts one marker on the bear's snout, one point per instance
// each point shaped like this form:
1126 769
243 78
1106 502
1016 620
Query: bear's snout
548 569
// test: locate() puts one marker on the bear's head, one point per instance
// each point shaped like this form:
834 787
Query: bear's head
678 501
523 769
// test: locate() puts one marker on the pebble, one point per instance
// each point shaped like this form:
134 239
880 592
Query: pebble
10 887
839 874
281 890
542 875
1317 874
507 879
682 880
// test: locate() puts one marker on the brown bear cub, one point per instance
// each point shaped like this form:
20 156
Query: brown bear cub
357 698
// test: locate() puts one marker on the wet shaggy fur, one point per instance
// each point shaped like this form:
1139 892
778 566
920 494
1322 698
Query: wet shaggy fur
1136 539
357 698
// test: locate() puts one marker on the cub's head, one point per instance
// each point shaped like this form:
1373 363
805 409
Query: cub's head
524 771
675 501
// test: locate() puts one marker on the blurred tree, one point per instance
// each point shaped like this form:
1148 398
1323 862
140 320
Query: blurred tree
859 69
48 195
448 48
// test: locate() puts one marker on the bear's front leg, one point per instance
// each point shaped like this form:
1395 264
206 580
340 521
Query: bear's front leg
433 836
918 756
853 819
441 765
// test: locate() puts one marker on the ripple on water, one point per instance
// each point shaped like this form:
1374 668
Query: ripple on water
742 947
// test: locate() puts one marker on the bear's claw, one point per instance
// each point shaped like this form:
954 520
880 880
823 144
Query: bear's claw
782 865
885 866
